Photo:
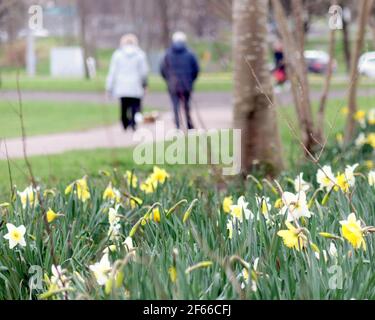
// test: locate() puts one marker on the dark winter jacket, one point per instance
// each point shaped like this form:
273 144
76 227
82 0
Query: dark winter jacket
179 68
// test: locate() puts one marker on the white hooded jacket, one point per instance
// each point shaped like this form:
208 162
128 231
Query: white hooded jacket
127 73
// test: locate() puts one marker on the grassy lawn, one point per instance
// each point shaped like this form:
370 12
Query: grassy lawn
52 117
208 82
62 168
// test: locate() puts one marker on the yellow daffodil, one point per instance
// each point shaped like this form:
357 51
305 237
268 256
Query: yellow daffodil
278 203
172 274
51 215
227 203
369 164
15 235
150 185
159 175
371 139
131 179
346 180
293 237
134 202
360 116
156 215
112 194
341 183
81 189
352 231
264 206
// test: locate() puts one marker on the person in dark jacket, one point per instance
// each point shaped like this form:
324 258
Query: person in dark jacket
180 69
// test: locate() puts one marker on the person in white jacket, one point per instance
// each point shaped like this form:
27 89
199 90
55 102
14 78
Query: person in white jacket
127 78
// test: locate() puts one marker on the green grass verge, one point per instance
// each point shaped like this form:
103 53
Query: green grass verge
208 82
52 117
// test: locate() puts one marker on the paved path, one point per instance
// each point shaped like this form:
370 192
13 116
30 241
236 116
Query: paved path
107 137
157 100
215 109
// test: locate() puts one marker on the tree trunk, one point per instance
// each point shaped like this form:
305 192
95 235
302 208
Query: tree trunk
372 27
82 7
296 70
346 44
254 112
364 12
164 20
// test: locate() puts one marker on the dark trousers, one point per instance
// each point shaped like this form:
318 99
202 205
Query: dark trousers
184 98
129 107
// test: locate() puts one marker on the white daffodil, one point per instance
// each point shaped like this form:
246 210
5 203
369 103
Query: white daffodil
15 235
27 196
300 184
332 250
295 205
264 206
326 178
371 178
114 231
361 140
101 270
230 229
245 276
111 248
128 244
58 277
113 217
325 255
239 210
349 174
